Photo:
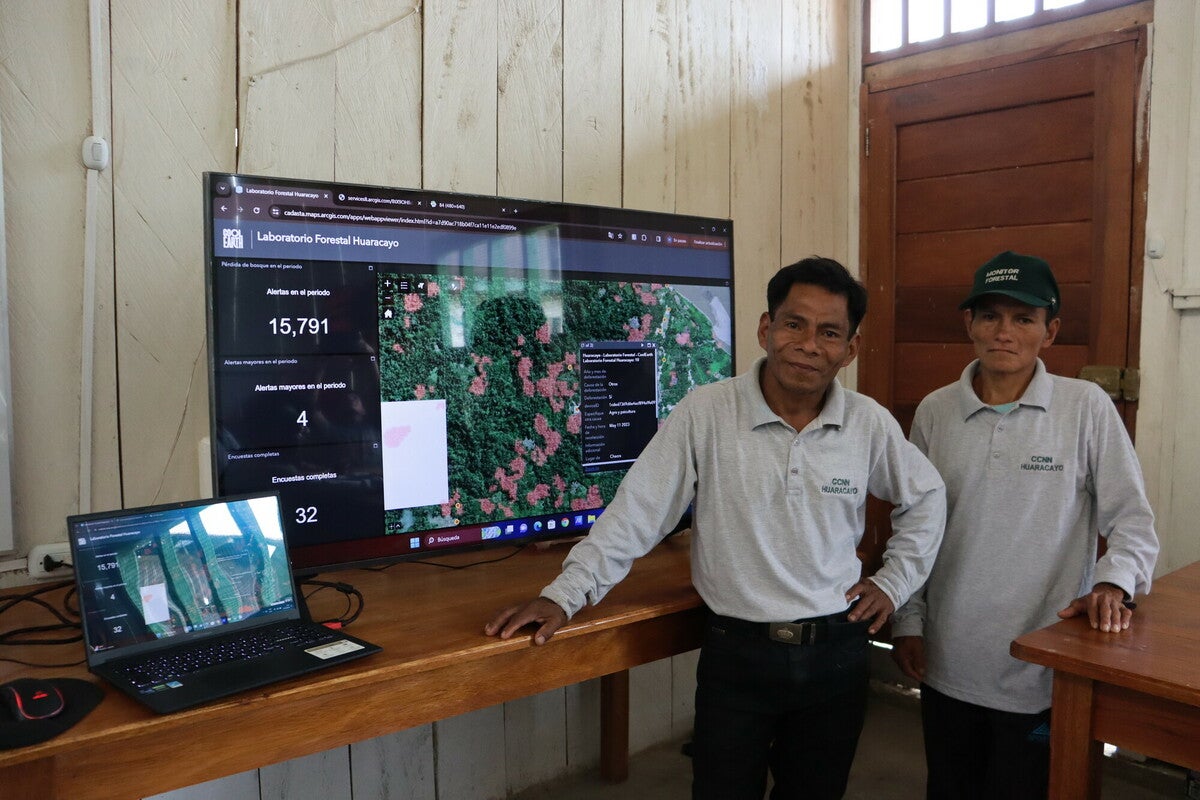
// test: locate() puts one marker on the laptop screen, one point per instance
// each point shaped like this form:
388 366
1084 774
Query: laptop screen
169 573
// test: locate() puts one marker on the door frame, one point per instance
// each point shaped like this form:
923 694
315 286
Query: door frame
878 528
1137 230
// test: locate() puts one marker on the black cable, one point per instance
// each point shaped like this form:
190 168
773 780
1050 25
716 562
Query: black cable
518 548
354 600
45 666
8 601
353 595
68 620
71 600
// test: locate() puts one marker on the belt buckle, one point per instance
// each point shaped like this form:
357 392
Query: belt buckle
793 632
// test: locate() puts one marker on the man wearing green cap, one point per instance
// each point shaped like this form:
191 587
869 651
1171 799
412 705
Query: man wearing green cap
1035 465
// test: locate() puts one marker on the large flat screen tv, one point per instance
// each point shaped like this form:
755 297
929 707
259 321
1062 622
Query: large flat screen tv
420 372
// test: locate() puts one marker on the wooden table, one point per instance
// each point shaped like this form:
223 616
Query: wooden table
436 663
1139 689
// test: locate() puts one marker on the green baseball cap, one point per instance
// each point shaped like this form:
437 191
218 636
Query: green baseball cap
1024 278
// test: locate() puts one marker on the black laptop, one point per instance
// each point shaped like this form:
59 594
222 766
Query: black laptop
185 603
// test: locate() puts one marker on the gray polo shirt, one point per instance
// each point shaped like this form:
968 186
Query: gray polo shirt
1028 491
777 513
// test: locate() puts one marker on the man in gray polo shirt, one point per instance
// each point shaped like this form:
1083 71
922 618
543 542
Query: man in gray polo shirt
1035 466
777 464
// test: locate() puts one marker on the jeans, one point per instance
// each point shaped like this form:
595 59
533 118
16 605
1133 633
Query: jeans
796 710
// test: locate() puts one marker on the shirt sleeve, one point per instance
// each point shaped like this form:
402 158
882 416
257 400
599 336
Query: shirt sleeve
649 502
909 619
903 476
1123 514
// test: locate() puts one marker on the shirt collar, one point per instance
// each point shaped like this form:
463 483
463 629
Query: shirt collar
832 413
1037 393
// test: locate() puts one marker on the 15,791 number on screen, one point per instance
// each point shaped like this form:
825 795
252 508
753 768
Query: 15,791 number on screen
298 326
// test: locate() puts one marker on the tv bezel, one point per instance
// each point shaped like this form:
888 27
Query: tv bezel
383 549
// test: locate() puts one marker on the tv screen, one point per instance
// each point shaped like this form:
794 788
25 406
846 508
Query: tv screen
420 372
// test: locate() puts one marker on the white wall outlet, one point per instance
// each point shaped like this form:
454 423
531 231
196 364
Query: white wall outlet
59 551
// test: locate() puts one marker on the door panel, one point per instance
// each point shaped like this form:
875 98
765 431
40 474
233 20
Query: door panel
1041 194
937 258
1036 157
1042 133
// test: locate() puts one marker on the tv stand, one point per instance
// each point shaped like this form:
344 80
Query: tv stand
550 543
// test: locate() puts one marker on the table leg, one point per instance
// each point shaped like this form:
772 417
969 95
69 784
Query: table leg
1074 754
614 726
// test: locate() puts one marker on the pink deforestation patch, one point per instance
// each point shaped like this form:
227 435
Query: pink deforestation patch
394 437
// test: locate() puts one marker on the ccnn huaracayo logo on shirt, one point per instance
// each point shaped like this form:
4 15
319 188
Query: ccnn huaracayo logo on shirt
1041 463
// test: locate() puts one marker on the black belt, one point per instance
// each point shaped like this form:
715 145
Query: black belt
814 630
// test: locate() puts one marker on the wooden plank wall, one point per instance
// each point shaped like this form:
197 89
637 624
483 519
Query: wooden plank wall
1169 416
46 110
738 107
735 108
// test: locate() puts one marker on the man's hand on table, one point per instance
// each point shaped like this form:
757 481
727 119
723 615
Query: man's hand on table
545 613
1105 607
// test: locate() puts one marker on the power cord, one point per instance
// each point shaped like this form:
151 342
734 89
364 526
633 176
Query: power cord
354 601
50 563
516 549
68 620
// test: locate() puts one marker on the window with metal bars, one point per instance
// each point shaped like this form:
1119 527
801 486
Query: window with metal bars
895 28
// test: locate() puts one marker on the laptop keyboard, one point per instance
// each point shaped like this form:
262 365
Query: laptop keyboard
242 647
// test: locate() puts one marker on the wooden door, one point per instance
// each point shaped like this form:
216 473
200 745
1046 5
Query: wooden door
1035 156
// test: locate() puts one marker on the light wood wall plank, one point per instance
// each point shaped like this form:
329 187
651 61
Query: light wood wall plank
529 98
650 103
398 766
703 134
756 158
7 536
316 777
702 186
459 127
172 120
287 82
592 97
105 466
331 90
651 100
471 755
1191 90
816 103
529 164
1168 415
591 164
243 786
683 694
377 132
650 704
45 109
583 725
535 739
1183 549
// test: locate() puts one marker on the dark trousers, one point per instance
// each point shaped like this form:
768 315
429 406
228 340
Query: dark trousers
796 710
977 752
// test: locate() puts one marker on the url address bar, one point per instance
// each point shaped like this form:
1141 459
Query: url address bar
384 218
